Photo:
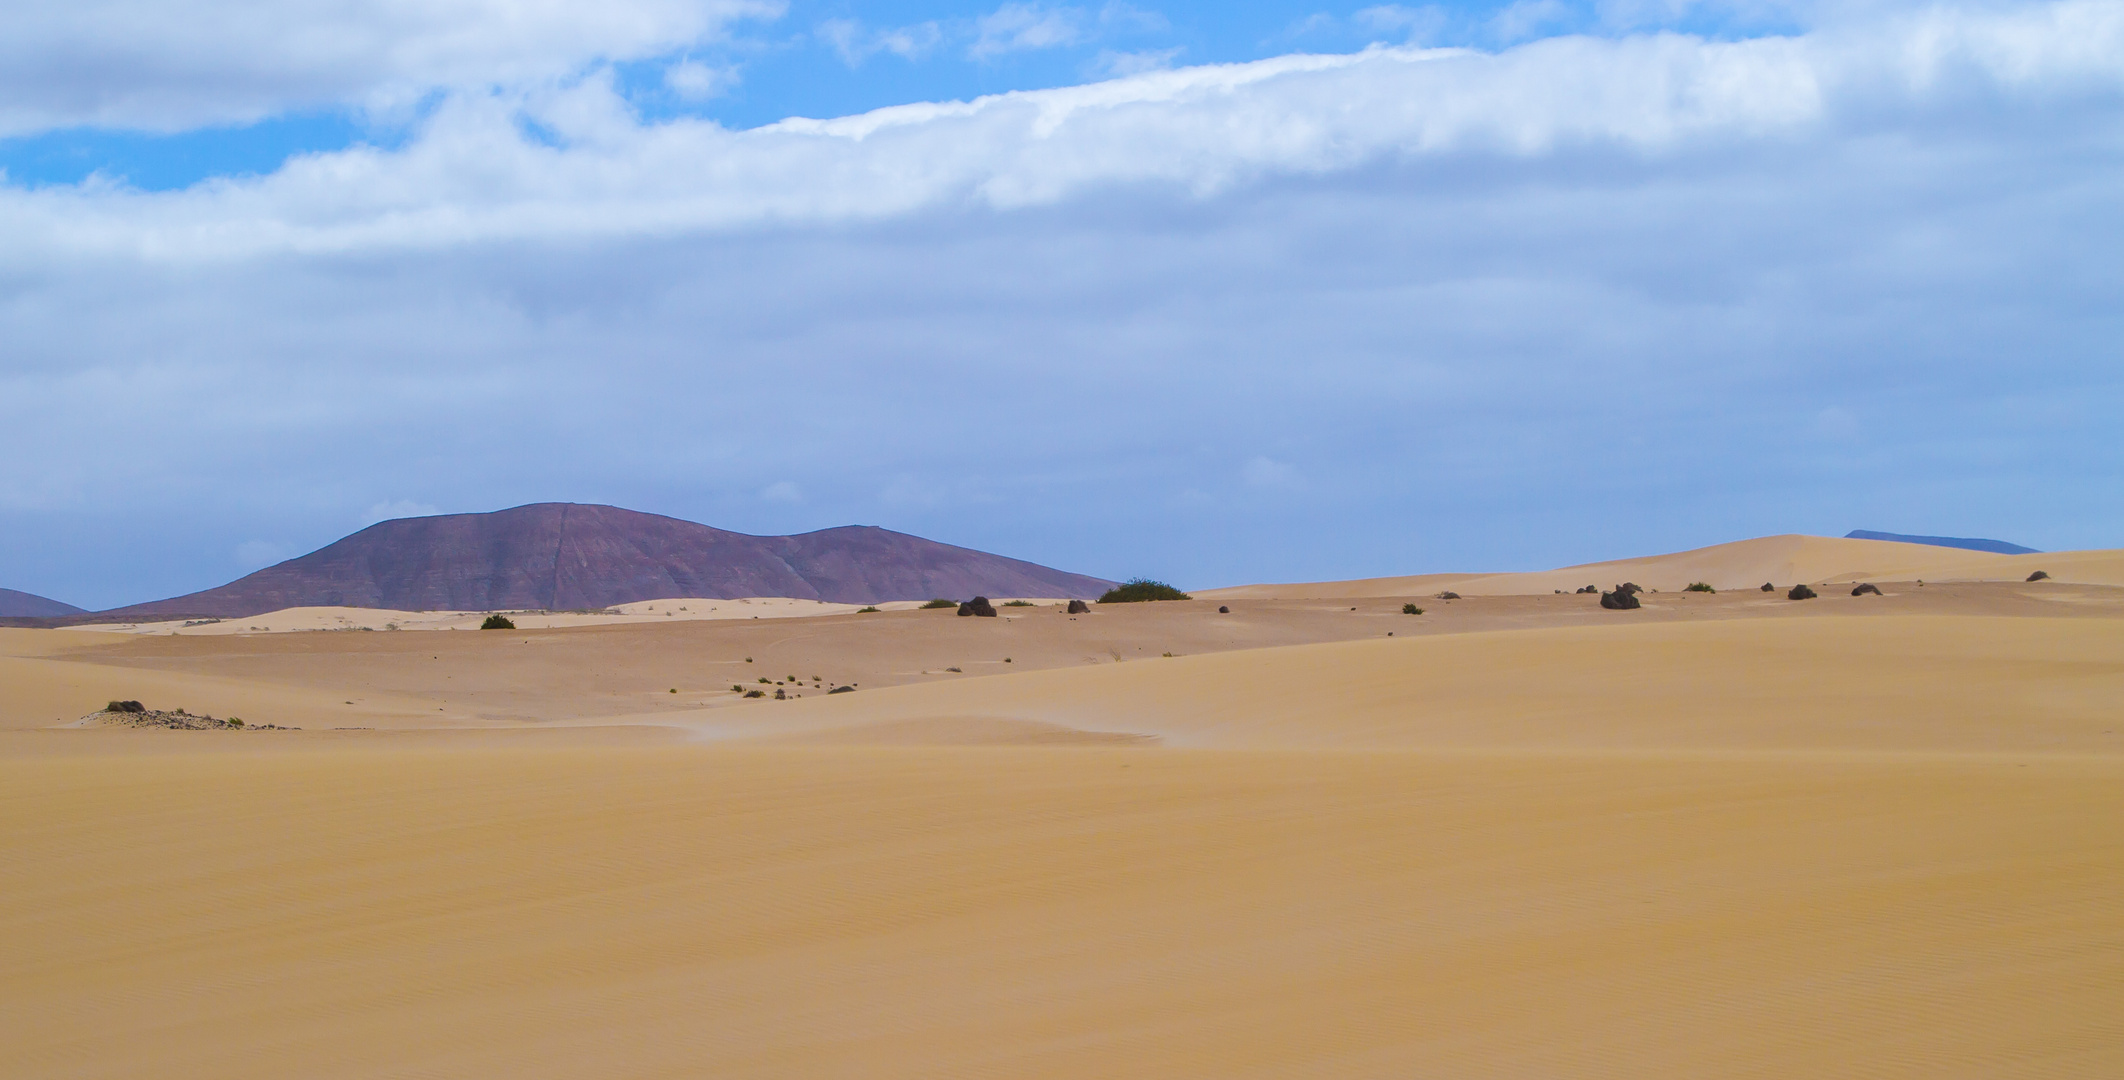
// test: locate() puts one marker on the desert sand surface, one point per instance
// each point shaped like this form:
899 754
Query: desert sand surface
1782 560
1722 835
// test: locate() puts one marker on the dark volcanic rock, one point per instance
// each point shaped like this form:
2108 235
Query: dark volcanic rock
1767 587
1222 610
1079 607
842 690
1590 589
1867 589
1619 600
1800 592
568 556
2040 575
1449 596
979 605
1631 587
22 605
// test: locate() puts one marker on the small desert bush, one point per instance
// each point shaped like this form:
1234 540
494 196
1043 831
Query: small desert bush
865 610
1411 609
1700 586
497 622
940 602
1018 603
1137 590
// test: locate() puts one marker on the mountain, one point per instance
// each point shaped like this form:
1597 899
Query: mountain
569 556
1996 547
18 605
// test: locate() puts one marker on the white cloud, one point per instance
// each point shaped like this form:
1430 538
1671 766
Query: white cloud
855 43
1017 27
1483 292
1121 64
695 81
169 65
473 174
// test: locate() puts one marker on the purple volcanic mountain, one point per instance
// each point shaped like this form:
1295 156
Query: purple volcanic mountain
16 605
568 556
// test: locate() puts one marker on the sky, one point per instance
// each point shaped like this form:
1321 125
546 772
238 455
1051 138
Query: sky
1208 293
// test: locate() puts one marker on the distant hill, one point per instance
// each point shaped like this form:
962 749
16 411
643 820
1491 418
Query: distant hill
569 556
21 605
1996 547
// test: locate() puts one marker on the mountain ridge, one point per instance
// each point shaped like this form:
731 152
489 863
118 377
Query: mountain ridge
16 604
569 556
1966 543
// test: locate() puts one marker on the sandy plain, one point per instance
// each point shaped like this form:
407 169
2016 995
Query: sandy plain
1726 835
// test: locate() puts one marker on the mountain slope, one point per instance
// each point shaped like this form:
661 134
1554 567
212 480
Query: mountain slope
1967 543
565 556
17 605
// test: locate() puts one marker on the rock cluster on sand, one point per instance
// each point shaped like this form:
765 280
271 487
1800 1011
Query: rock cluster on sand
1590 589
979 605
1624 598
1867 589
1800 592
133 714
1079 607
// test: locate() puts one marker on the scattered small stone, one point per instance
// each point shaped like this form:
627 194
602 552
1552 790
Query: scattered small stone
1800 592
979 605
2040 575
1079 607
1867 589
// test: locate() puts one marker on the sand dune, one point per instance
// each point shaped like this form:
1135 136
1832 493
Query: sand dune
299 620
1784 560
1889 684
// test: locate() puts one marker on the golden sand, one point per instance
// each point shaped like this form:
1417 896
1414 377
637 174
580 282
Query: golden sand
1722 836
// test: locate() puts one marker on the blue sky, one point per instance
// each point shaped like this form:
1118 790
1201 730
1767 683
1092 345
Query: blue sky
1211 295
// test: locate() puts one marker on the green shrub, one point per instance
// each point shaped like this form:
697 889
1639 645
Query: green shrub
940 602
1019 603
1137 590
865 610
497 622
1411 609
1700 586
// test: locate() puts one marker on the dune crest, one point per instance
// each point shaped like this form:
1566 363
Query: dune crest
1783 560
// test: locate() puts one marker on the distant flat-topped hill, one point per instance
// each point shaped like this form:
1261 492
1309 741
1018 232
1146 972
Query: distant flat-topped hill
1966 543
22 605
567 556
